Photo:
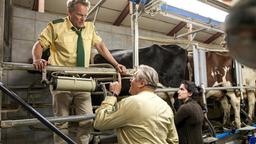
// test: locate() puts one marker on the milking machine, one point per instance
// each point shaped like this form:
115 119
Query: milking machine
72 79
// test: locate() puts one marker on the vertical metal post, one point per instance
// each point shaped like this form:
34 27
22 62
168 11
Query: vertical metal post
202 68
196 65
200 72
204 101
239 79
41 6
135 32
2 21
7 31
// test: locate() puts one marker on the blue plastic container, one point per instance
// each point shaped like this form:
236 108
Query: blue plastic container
252 139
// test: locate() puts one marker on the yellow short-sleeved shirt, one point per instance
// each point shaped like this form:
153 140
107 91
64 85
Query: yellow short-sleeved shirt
62 41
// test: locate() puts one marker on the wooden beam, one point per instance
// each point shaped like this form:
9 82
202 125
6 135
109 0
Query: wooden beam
213 37
177 28
122 16
38 5
41 6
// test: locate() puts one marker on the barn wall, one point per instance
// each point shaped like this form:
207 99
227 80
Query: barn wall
1 27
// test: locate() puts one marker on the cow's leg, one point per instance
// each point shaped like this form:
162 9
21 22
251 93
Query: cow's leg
251 98
234 100
235 103
214 93
226 110
251 103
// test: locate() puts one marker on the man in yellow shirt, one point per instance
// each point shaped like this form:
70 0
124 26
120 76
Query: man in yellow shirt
143 118
70 41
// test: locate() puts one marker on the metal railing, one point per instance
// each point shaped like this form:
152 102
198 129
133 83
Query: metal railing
42 119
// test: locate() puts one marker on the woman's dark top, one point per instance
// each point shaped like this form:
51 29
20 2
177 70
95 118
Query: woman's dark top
189 120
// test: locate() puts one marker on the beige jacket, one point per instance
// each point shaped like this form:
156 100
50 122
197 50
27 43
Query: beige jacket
140 119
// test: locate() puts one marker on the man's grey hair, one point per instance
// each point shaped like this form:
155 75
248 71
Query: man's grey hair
72 3
147 74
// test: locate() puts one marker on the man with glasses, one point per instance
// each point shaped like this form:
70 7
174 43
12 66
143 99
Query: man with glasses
70 40
143 118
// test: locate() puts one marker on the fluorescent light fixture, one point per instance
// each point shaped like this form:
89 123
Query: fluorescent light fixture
199 8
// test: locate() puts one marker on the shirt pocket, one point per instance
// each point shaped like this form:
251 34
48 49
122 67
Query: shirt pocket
66 43
87 41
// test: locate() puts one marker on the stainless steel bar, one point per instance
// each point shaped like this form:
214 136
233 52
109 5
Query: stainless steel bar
96 14
206 47
26 87
91 70
196 61
192 22
226 88
166 89
135 34
188 33
22 122
95 7
214 49
207 88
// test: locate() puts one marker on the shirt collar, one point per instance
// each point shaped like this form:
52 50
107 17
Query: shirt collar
146 93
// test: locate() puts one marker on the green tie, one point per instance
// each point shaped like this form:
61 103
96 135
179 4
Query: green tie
80 49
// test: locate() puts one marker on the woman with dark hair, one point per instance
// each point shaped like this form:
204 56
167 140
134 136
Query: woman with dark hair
189 117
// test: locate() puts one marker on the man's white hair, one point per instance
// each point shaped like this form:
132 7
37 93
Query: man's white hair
147 74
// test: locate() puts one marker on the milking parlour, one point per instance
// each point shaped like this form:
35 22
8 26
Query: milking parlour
61 61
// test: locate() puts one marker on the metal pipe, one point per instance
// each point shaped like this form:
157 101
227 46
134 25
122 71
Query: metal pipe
196 61
96 14
80 70
204 100
134 8
23 66
35 113
167 90
226 88
213 50
13 123
206 47
95 7
192 22
202 66
11 110
7 30
152 4
207 88
192 32
136 37
105 65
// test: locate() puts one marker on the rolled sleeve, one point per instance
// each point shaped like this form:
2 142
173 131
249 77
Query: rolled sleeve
46 37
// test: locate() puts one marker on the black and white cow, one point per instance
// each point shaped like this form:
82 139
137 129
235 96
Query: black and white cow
168 60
